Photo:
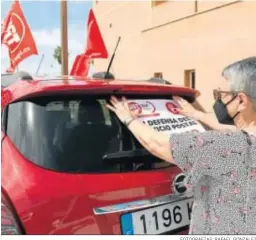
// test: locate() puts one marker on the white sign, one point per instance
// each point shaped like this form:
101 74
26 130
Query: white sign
162 115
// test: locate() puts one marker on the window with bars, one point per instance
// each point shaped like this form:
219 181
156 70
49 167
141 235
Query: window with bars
158 75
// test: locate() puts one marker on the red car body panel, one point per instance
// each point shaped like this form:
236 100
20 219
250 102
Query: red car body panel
49 202
59 203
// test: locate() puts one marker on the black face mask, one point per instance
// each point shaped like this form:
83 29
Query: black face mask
221 112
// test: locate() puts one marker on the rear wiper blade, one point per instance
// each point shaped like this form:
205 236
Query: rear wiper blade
125 154
133 156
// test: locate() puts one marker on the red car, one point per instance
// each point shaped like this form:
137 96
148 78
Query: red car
70 167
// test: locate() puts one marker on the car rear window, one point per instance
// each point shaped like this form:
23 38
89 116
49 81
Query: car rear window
78 134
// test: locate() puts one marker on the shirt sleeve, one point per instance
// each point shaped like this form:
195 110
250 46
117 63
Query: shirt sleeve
209 153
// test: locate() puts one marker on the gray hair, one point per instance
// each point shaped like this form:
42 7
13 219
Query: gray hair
242 77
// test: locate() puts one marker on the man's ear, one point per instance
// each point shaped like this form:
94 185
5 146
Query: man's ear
243 101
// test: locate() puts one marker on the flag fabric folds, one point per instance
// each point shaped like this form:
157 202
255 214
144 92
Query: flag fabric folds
16 35
95 48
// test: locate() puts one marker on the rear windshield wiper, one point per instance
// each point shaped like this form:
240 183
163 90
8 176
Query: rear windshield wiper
133 156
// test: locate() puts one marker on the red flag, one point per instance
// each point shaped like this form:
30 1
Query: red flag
10 69
95 45
17 36
80 66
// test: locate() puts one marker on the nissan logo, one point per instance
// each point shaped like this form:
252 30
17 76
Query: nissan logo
178 184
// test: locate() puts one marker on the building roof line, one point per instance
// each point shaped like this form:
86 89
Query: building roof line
190 16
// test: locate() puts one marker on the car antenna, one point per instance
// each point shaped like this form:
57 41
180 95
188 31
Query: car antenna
112 58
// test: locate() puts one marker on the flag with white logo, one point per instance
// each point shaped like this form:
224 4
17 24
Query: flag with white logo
16 35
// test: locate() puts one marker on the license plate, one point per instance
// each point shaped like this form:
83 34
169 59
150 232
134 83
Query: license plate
157 220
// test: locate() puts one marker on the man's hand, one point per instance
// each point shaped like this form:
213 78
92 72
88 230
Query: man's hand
186 108
121 109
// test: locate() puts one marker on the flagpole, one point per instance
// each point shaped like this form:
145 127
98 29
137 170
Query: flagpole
40 64
64 37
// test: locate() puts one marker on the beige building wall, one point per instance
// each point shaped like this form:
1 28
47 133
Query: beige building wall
175 36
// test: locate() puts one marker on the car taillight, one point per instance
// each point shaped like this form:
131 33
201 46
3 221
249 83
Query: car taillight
9 224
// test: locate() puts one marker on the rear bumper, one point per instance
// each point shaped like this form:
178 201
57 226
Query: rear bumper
136 205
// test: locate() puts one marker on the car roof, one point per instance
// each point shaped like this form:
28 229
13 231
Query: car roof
20 89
